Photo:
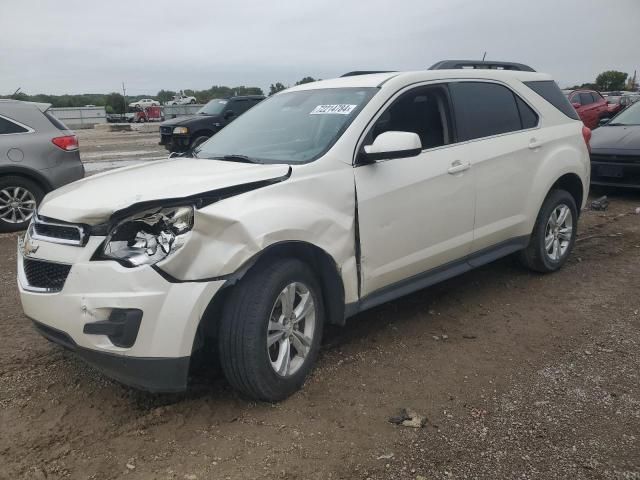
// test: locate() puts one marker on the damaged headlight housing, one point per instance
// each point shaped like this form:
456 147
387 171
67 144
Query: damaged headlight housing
149 237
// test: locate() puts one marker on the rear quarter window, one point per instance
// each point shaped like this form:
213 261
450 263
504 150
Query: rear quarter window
8 127
549 90
55 122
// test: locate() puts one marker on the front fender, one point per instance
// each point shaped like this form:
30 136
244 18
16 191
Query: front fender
230 233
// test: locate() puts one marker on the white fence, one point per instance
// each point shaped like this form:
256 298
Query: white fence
80 117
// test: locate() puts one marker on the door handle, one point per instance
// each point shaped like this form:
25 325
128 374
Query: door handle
458 166
535 143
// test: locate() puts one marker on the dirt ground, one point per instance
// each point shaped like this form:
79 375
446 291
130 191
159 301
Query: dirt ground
520 376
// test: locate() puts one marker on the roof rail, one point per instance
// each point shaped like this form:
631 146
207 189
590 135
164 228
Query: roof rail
482 64
365 72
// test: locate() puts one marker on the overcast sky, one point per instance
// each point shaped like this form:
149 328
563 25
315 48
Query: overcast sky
80 46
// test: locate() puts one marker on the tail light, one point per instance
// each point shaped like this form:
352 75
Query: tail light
586 134
67 143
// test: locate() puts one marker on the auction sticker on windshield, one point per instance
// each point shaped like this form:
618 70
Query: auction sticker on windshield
340 109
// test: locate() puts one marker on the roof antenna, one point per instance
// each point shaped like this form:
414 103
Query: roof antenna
483 56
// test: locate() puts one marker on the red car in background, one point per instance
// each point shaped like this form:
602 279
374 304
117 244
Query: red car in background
590 105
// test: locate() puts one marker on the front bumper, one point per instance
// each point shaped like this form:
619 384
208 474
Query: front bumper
615 170
158 357
175 143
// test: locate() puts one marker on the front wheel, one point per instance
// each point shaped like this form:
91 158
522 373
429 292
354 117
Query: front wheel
271 329
554 233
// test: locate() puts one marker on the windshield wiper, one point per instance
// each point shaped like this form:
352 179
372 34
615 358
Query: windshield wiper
235 158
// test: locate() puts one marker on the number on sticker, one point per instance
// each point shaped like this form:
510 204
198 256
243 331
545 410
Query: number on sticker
340 109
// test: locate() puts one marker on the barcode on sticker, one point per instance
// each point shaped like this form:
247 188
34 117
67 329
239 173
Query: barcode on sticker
341 109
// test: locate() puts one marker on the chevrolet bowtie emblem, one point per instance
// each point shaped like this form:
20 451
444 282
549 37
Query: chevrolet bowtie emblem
28 247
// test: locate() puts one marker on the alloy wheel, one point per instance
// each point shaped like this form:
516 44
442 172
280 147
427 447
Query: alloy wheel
291 329
558 232
17 204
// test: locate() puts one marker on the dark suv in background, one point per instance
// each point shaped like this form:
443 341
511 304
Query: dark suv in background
38 153
182 133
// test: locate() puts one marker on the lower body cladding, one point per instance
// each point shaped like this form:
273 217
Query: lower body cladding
131 324
615 170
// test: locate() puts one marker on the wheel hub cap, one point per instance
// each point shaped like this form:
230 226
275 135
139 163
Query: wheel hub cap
558 232
17 204
291 329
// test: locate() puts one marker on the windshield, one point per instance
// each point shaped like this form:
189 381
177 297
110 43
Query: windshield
291 127
214 107
630 116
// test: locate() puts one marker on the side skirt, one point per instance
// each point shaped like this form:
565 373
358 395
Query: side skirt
437 275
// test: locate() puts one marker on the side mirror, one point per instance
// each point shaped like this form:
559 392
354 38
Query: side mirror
392 144
603 121
229 114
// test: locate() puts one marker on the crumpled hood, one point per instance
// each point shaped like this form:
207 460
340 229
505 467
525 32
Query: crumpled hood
616 138
94 199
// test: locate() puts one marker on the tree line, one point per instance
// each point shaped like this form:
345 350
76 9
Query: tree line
115 102
609 81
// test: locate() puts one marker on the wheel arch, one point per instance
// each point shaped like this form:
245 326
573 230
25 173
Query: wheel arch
572 183
321 263
28 173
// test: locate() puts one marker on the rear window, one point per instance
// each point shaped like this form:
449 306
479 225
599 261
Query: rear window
56 123
549 90
8 127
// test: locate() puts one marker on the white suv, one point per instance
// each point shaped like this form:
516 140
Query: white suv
324 200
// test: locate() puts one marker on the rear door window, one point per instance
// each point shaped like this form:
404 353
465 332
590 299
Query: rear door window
484 109
8 127
528 117
586 98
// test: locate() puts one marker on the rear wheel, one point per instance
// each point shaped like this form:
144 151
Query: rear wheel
554 233
19 198
271 330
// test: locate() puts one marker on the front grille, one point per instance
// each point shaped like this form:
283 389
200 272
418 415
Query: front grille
62 232
166 130
56 231
626 159
45 275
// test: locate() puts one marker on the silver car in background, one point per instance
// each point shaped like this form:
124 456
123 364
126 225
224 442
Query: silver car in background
38 153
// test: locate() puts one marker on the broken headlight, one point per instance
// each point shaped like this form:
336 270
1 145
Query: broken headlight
149 237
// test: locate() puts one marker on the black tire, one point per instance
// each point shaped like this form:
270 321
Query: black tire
192 102
199 141
242 340
535 256
9 183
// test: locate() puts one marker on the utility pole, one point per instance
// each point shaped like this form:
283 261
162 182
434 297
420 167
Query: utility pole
124 101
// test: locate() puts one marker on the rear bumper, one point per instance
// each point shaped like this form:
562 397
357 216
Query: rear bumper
146 373
65 172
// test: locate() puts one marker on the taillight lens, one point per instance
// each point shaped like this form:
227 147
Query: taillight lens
67 143
586 134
